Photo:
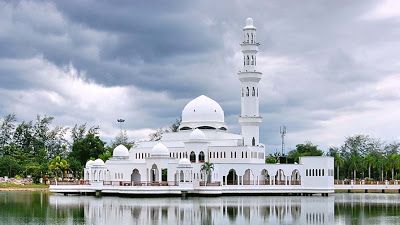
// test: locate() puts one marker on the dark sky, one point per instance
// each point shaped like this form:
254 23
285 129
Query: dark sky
330 68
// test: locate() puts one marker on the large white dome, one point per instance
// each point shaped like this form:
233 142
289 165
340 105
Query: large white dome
121 151
203 113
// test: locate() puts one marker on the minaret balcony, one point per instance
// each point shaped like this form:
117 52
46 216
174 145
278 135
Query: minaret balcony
249 76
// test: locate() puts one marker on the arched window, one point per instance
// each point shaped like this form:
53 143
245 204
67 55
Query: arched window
253 142
252 38
244 60
248 91
248 60
242 155
192 157
201 157
248 37
252 60
254 92
231 155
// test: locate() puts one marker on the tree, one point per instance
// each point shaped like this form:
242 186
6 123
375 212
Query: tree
307 149
334 152
157 135
175 126
58 165
271 159
91 146
207 167
7 128
122 139
9 166
371 162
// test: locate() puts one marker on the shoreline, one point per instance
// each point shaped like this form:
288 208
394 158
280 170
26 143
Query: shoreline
24 189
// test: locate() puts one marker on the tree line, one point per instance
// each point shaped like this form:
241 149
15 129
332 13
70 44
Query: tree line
359 157
38 148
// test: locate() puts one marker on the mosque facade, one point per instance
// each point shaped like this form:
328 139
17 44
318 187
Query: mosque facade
204 154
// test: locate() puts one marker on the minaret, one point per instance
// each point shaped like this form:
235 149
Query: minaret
249 77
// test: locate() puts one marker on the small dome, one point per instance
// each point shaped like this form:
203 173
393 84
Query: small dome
184 161
89 163
202 112
120 151
160 150
98 162
249 24
197 135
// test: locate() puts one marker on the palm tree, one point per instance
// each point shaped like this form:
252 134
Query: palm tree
371 162
58 165
207 167
338 162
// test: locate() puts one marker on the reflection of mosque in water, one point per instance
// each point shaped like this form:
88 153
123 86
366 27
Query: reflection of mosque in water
220 210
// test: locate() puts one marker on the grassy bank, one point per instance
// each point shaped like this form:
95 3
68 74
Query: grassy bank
21 187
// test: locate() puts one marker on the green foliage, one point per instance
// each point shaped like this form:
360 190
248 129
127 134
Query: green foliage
207 167
91 146
58 165
307 149
271 159
9 166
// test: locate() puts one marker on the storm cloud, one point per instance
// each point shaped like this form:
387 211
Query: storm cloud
330 68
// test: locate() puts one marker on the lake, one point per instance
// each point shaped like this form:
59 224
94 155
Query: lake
45 208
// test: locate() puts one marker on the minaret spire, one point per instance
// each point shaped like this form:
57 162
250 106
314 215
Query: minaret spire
249 77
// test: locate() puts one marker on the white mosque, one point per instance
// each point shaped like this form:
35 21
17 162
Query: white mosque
177 162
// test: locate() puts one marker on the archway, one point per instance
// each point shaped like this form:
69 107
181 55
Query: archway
201 157
264 178
135 177
253 142
154 173
182 176
192 157
280 177
248 177
232 178
295 178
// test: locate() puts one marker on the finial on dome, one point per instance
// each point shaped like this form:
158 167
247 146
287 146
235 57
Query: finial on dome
249 21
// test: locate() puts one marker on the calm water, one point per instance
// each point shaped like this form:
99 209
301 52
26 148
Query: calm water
42 208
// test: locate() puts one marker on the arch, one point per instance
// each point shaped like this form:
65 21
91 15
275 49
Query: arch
252 39
254 92
252 60
248 37
135 177
154 173
244 60
253 142
248 177
232 178
248 60
280 177
201 157
182 176
264 177
192 157
295 178
248 91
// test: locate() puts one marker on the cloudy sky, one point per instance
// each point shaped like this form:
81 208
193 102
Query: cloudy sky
330 68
